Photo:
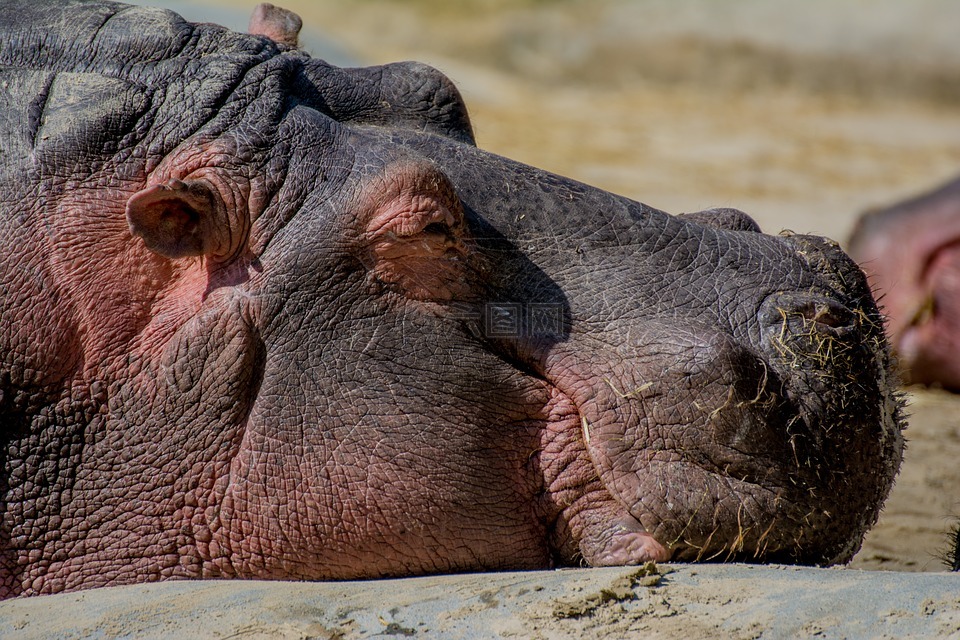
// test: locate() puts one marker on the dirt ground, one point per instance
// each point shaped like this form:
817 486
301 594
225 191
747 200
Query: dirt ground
689 602
801 114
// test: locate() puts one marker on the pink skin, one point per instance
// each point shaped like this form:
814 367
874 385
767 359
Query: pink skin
278 24
930 344
911 255
414 235
593 524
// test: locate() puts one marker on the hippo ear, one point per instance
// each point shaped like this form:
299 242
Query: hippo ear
176 219
416 235
278 24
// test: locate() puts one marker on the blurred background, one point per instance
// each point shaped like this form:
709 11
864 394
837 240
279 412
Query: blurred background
803 114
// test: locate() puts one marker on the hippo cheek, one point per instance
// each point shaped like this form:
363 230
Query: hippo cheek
689 436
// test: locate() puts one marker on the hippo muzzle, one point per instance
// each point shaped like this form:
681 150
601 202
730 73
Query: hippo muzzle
742 441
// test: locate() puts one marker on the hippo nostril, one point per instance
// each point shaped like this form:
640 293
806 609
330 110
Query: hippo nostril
828 314
801 313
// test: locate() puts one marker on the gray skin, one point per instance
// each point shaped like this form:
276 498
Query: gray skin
911 253
262 317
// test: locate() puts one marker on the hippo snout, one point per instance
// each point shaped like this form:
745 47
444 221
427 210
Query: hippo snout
722 444
830 326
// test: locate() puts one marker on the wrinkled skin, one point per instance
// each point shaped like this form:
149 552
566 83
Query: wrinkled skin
267 318
911 253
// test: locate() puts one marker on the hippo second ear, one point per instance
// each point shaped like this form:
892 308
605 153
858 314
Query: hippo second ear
415 237
278 24
179 218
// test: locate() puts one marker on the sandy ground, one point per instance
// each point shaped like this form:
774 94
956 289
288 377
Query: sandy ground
802 114
689 602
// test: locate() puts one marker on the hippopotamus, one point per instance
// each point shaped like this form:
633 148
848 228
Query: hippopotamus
264 317
910 253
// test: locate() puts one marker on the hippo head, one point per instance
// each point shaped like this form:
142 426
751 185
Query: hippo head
911 253
266 317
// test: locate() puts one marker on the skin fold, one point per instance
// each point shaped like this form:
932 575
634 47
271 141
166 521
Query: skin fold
263 317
